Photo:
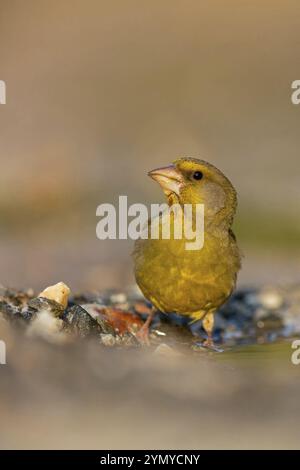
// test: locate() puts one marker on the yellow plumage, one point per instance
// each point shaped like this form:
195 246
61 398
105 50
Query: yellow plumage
191 282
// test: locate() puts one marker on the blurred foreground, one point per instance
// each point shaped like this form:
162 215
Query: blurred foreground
83 397
75 379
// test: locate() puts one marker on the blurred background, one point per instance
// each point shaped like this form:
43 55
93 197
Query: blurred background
100 92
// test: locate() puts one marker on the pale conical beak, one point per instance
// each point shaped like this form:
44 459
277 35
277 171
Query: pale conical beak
169 178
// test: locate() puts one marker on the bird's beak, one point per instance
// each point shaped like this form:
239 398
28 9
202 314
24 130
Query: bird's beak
169 178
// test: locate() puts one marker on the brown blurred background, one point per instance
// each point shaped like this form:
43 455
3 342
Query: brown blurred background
100 92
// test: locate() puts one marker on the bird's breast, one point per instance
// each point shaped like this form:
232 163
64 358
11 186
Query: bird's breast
184 281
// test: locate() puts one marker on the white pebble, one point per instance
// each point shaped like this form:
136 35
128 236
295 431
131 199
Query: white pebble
271 299
59 292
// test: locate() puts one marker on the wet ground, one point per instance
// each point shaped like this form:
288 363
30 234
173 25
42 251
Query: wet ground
251 316
78 378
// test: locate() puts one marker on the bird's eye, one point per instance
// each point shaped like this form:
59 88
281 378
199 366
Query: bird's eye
198 175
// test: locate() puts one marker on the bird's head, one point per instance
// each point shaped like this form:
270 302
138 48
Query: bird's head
192 181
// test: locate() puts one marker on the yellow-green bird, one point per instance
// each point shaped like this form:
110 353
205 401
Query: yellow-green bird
190 282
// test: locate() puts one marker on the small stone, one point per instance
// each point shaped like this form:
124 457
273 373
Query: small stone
94 310
7 309
59 293
42 304
270 299
27 313
159 333
166 351
13 297
80 322
108 340
118 298
15 313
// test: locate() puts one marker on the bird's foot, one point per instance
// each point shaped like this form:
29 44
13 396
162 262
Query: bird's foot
143 335
208 344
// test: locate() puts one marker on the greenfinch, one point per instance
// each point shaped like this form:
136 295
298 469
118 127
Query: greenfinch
190 282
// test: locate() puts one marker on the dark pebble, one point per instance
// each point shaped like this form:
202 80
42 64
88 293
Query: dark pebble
42 304
81 323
